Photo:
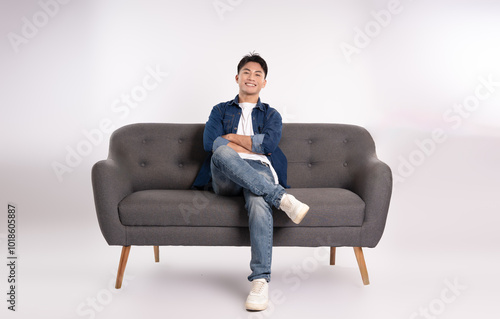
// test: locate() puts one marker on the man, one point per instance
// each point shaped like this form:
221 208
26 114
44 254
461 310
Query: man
242 137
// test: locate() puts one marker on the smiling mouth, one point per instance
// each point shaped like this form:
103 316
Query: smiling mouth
250 84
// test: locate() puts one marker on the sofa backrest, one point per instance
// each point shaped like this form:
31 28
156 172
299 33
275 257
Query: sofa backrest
169 156
325 155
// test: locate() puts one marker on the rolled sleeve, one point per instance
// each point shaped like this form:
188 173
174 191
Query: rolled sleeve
272 132
213 128
219 141
257 143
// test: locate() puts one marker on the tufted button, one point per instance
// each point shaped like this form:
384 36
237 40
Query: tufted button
144 141
180 141
310 141
143 164
309 165
345 164
181 165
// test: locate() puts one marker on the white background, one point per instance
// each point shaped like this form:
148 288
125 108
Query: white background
61 80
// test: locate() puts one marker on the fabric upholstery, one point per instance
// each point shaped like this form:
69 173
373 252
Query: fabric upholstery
331 207
142 194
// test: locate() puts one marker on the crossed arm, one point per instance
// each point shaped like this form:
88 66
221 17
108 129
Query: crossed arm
267 139
239 143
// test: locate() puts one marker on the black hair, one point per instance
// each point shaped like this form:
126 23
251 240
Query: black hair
253 57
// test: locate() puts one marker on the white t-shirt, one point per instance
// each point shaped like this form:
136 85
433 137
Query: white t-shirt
245 127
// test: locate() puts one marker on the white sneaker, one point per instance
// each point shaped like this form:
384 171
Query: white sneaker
259 295
294 208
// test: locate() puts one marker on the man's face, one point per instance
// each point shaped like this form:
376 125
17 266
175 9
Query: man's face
251 78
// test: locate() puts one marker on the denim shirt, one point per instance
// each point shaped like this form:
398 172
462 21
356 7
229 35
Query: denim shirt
267 126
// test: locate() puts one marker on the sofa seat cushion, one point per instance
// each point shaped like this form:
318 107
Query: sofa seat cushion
329 207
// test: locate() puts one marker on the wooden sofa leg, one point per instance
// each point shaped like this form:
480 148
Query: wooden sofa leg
121 266
332 255
157 254
362 265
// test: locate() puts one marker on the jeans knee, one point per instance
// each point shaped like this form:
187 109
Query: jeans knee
223 152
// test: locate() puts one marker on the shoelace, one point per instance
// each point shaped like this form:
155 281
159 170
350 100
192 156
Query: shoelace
257 287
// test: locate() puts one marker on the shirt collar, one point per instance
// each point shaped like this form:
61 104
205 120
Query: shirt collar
259 103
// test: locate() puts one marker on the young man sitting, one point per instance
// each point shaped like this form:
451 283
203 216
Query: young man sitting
242 136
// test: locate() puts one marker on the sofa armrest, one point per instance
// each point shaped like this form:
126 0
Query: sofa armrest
373 183
110 184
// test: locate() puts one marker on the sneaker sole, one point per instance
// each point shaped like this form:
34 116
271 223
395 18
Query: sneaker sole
256 307
302 214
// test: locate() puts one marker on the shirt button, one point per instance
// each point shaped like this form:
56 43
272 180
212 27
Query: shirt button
345 141
143 164
310 141
180 141
309 165
345 164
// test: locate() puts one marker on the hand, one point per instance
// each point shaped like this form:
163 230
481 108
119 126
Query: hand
241 140
229 137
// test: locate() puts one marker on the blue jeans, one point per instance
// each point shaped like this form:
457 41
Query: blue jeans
232 175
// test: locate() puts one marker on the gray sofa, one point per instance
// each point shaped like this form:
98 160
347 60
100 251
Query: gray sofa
142 191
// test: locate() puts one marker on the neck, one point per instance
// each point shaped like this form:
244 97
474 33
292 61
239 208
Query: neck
246 98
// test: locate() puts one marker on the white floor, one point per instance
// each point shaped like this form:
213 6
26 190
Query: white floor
191 282
438 257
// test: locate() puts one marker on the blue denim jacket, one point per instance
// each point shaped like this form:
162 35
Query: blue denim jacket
267 126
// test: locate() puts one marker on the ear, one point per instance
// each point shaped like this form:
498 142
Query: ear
264 83
236 77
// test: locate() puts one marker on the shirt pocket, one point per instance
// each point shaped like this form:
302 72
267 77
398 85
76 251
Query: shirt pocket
227 122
